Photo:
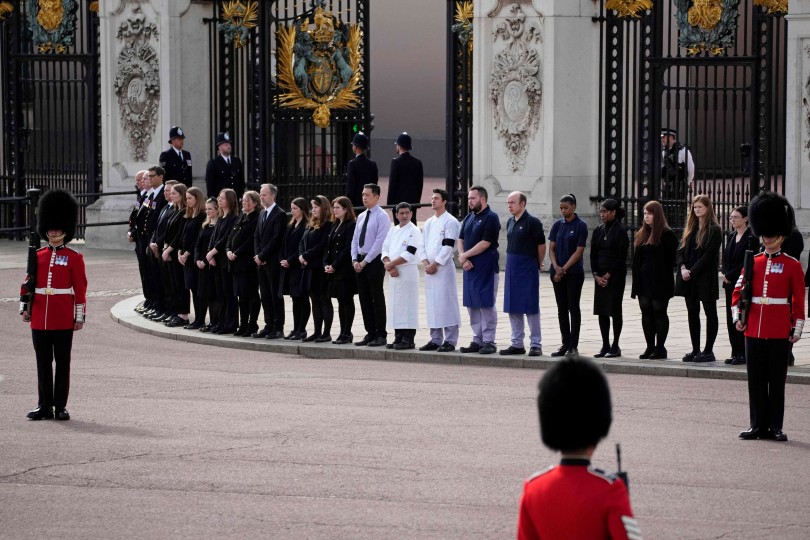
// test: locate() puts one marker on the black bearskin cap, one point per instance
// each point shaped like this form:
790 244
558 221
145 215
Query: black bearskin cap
770 214
574 405
58 210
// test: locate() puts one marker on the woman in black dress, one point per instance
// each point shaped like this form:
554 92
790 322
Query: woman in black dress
291 271
609 245
737 242
207 276
240 254
228 214
195 213
313 245
698 259
337 261
174 234
653 284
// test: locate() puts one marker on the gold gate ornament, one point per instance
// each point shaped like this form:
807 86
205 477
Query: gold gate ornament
773 6
629 8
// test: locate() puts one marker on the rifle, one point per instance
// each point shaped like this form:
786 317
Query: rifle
30 283
746 287
620 473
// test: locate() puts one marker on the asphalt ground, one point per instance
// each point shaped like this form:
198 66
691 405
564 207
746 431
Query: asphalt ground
174 439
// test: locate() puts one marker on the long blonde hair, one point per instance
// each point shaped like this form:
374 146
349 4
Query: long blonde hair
208 221
693 222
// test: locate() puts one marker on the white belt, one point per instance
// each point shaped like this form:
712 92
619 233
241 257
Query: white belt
48 291
764 300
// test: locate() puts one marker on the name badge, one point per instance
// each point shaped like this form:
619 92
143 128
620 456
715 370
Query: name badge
188 162
776 268
61 260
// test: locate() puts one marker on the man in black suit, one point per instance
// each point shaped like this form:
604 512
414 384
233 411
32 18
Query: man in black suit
142 189
176 161
145 223
361 170
225 170
156 245
407 176
267 242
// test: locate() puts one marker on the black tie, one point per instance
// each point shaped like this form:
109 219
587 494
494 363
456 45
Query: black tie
364 229
264 216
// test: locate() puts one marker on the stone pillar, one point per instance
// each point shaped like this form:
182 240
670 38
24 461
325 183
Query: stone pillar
154 74
797 168
536 97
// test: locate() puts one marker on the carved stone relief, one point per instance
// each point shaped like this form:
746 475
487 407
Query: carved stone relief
806 96
137 82
515 87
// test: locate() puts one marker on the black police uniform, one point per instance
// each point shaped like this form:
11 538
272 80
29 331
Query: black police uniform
405 181
360 171
176 168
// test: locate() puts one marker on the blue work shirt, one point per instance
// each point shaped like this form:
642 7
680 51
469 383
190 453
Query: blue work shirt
567 237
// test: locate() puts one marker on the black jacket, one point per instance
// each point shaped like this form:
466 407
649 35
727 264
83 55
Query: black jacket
734 257
359 172
219 239
219 175
269 235
176 168
609 255
191 231
703 263
174 231
240 241
406 179
338 252
290 278
146 221
652 268
161 226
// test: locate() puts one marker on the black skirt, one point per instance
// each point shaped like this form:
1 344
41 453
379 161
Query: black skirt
608 300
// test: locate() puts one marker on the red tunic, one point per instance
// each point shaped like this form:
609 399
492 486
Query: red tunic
58 269
783 278
576 501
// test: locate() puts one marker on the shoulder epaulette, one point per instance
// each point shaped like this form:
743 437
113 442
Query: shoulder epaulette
790 256
606 476
538 474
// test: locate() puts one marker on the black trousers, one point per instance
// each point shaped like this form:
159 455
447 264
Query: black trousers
404 335
766 364
322 312
712 324
654 321
372 297
735 337
155 283
182 303
346 314
143 272
167 286
567 292
229 309
216 304
272 302
53 346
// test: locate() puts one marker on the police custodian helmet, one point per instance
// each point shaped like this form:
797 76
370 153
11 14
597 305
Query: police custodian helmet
176 133
404 140
770 214
574 405
360 141
57 210
222 138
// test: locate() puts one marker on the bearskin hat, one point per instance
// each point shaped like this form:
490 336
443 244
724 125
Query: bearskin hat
770 214
574 405
58 210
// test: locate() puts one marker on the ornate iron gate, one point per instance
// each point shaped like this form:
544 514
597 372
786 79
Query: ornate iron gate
714 72
281 87
459 101
50 102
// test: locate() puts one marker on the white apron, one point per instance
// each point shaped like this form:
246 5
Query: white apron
402 304
441 289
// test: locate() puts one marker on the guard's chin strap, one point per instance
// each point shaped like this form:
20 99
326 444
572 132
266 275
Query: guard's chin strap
56 238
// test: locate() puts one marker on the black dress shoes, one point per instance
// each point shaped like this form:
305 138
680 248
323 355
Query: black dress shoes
738 361
323 339
705 356
690 357
207 328
377 342
404 346
728 360
488 348
777 435
275 334
263 333
560 352
342 339
535 351
365 341
473 348
391 345
446 347
62 414
429 346
291 335
311 338
41 413
174 322
647 353
614 352
659 354
512 350
602 352
752 433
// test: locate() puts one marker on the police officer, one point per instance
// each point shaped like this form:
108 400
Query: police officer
360 171
775 317
225 170
55 302
406 177
677 173
573 499
176 161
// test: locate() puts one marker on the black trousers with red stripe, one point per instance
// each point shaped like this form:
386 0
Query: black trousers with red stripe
53 346
767 364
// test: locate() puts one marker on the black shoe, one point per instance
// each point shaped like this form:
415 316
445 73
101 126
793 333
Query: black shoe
647 353
614 352
512 350
429 346
195 325
174 322
342 340
224 331
776 435
659 354
560 352
473 348
263 333
705 357
207 328
728 360
488 348
690 357
62 414
300 335
163 318
391 345
602 352
377 342
291 335
738 361
365 341
535 351
311 338
323 339
404 346
275 334
752 433
446 347
41 413
240 331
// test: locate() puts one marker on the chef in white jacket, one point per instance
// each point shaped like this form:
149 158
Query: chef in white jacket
399 255
441 291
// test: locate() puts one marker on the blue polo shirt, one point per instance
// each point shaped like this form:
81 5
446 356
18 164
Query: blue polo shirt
567 237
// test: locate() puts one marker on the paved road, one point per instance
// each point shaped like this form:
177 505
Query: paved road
180 440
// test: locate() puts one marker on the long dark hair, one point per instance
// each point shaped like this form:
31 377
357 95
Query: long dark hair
652 234
346 203
303 204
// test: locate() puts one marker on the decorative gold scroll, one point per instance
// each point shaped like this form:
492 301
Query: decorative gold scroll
629 8
773 6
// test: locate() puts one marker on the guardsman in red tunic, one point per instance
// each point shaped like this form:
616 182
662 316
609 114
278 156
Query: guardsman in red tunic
775 318
574 500
54 300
